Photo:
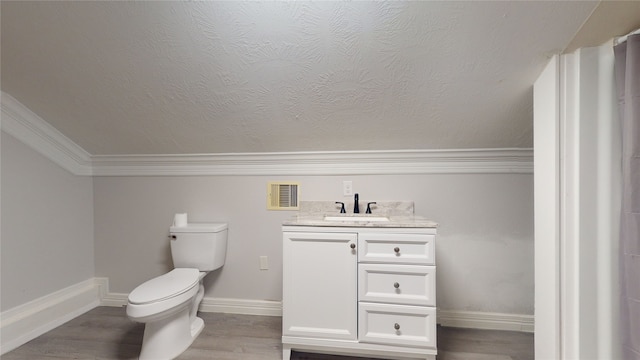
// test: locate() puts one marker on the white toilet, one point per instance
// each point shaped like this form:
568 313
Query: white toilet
169 303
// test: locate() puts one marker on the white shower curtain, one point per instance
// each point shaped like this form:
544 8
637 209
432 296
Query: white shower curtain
627 75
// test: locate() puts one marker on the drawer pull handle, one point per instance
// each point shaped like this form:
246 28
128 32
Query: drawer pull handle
396 326
353 246
396 285
397 250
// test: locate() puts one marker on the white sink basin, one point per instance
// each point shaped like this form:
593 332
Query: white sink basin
356 218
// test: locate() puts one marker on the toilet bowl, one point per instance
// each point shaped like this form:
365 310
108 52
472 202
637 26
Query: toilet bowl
168 304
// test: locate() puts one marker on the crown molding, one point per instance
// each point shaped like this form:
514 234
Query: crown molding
473 161
26 126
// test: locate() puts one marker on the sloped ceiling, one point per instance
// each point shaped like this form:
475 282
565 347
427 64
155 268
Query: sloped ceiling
226 77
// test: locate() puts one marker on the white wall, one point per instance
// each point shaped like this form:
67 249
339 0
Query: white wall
47 225
484 251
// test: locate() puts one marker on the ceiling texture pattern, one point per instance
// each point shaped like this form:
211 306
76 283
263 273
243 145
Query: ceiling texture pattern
235 77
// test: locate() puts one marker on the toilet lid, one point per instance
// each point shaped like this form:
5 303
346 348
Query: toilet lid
171 284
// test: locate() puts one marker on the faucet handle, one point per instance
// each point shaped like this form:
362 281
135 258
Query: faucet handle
342 210
369 207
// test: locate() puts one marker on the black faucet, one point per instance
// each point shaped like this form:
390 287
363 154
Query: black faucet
369 207
356 207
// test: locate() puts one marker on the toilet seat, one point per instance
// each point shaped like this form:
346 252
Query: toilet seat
162 296
169 285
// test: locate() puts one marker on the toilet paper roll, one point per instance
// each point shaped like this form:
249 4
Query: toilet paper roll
180 220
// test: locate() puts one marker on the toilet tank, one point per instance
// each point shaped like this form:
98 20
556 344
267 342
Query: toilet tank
202 246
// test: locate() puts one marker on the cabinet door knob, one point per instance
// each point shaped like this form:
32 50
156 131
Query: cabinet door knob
396 249
396 326
353 246
396 285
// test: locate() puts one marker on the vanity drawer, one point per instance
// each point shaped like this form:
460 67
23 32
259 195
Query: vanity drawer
398 284
397 248
397 325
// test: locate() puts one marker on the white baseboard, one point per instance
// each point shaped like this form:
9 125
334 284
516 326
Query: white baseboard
30 320
219 305
453 318
114 300
241 306
486 320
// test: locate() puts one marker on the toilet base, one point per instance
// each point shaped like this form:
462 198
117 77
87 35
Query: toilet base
196 327
170 337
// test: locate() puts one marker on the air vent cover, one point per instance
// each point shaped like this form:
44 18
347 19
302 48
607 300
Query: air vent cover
282 196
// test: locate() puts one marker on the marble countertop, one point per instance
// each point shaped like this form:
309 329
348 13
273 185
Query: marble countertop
409 221
400 214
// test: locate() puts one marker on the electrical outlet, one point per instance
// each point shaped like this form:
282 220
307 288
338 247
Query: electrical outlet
347 188
264 263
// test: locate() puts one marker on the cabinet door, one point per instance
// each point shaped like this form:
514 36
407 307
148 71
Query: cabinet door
320 285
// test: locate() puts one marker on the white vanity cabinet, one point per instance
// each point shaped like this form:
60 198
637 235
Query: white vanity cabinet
359 291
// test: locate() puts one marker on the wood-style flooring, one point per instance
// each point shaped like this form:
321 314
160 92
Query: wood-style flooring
107 333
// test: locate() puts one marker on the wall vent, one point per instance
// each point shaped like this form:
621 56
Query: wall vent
282 196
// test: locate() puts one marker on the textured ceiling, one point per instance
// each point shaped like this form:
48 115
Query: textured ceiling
221 77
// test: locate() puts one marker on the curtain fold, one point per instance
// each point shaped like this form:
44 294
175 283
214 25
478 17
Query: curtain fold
627 75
